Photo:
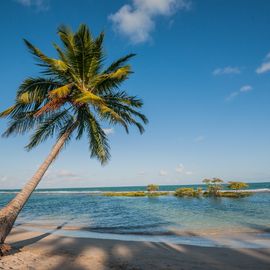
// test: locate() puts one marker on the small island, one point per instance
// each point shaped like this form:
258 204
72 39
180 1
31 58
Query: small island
214 188
151 191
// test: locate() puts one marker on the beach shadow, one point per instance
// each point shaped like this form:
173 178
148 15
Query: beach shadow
169 256
85 253
20 244
260 228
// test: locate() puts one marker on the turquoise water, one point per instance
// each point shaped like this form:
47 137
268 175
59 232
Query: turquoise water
130 188
165 215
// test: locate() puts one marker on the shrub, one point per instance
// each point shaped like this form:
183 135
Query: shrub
125 194
237 185
152 188
156 194
229 194
134 194
187 192
214 186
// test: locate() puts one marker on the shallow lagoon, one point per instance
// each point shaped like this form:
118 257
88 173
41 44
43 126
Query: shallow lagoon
159 216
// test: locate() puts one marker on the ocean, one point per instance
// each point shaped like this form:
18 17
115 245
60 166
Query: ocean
143 217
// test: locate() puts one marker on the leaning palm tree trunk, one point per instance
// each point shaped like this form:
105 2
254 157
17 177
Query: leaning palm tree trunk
9 213
77 88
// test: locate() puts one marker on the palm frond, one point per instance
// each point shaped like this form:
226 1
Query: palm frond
107 113
16 110
98 142
119 63
82 115
97 58
35 90
21 123
67 37
48 128
123 97
105 83
50 106
61 92
8 111
75 78
60 52
88 97
127 109
52 65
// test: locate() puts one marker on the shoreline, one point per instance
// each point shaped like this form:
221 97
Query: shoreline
94 192
46 250
243 237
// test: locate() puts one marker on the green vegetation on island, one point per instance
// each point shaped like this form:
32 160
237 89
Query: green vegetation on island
135 194
214 186
125 194
152 188
152 191
237 185
214 189
230 194
188 192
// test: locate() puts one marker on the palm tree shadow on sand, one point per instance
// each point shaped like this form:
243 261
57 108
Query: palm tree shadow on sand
30 241
86 253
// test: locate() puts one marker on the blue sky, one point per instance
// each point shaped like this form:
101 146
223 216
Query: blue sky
203 70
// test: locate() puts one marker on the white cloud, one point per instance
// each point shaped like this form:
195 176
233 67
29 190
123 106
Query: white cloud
3 178
246 88
108 131
142 173
199 139
232 96
180 168
65 173
137 20
265 66
163 173
227 70
54 175
39 4
242 90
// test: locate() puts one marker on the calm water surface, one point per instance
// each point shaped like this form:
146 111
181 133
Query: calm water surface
142 215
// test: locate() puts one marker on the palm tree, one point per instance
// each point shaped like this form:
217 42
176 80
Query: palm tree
214 186
75 95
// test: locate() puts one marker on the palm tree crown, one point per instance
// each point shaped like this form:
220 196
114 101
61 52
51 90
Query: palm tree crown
76 93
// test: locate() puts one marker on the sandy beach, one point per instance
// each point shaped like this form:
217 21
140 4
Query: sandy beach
134 135
39 250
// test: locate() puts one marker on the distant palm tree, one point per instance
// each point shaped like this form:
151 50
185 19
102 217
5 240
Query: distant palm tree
74 96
